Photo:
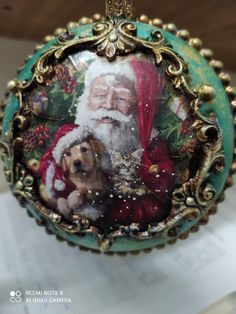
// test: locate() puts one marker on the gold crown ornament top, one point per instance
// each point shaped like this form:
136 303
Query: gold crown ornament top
118 133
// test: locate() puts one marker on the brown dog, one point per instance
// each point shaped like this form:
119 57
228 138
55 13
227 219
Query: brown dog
82 163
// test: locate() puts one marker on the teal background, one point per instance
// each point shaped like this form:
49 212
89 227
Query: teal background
201 73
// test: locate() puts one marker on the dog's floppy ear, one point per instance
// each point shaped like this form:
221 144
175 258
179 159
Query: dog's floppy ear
98 149
64 166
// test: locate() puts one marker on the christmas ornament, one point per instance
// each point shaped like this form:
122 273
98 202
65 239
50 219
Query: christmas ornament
118 133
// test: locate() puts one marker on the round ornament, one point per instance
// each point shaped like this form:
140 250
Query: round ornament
118 133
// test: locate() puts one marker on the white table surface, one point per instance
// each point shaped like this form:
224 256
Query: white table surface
182 279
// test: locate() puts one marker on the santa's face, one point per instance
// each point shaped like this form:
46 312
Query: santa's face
109 107
114 96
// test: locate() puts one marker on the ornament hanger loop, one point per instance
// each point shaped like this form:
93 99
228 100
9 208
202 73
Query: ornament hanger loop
120 8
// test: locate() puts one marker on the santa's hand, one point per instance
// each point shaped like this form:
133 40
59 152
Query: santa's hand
62 206
75 200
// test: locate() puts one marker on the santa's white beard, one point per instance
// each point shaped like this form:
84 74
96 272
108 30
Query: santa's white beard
123 138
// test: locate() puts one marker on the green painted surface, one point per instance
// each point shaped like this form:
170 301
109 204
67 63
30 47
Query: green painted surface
200 73
11 108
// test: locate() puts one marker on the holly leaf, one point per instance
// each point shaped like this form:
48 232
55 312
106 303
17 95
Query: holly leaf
66 96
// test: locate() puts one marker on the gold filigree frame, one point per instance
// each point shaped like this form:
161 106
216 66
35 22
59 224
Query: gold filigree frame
196 198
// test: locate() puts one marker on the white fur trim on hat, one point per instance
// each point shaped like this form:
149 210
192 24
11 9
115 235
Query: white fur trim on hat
49 180
101 68
78 134
59 185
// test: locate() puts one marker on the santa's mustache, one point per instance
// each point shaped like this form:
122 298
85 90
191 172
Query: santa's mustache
109 114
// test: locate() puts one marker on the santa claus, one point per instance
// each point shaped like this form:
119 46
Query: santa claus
119 103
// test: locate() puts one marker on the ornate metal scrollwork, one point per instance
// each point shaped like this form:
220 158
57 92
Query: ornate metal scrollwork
198 192
111 38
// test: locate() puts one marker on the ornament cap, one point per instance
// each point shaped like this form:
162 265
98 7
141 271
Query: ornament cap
120 8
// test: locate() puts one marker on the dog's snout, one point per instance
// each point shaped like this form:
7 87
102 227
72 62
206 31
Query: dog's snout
77 164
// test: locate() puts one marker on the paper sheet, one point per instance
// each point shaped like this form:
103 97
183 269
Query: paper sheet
184 278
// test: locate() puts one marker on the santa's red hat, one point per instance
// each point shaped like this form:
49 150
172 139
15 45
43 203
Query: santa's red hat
51 172
149 86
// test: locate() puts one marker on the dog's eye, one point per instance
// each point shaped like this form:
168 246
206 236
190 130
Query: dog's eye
84 149
67 154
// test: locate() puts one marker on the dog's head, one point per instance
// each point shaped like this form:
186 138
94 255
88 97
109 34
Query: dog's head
81 158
